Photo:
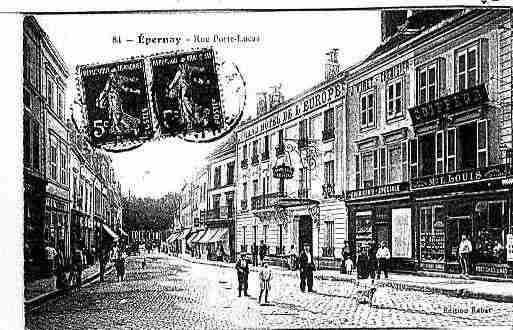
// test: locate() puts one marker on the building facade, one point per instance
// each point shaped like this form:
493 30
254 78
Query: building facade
289 172
429 115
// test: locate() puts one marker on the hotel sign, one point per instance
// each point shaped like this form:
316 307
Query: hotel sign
320 98
459 177
449 104
283 172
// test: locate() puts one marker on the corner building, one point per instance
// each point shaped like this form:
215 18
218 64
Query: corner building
303 208
429 115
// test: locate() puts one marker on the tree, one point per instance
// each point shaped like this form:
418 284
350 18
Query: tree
150 213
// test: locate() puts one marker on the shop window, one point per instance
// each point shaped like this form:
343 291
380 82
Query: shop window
432 237
426 146
394 101
491 229
367 113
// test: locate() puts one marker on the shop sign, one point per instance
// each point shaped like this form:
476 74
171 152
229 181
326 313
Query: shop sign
449 104
401 233
458 177
509 247
283 172
379 190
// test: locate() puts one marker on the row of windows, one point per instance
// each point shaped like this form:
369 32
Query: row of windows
430 81
230 172
31 144
58 164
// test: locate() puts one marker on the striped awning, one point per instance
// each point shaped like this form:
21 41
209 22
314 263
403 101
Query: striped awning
199 235
111 233
221 235
207 238
172 237
184 233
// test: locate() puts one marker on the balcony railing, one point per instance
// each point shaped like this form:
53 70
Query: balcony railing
387 189
302 142
280 250
328 134
302 193
244 204
265 156
254 160
328 251
244 163
223 212
462 176
328 190
265 201
280 149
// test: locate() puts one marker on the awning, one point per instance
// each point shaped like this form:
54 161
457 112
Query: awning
172 237
192 236
199 235
110 232
184 233
208 236
122 232
221 235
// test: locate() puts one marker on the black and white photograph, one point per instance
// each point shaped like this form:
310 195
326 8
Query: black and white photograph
296 167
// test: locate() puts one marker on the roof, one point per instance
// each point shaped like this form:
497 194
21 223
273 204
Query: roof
226 147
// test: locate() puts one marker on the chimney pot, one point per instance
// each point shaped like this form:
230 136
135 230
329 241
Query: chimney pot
332 65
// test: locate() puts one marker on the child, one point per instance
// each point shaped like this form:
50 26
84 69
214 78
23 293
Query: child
265 282
349 265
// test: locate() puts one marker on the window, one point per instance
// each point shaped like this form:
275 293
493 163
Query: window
255 187
245 191
60 104
394 100
357 170
64 165
245 152
426 144
31 62
217 176
281 186
53 158
329 172
383 165
370 169
432 237
466 146
451 149
395 173
482 143
229 173
26 141
329 125
414 158
265 229
439 153
466 68
35 146
50 93
330 234
367 110
427 83
265 153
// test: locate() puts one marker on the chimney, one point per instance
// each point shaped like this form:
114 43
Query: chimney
261 103
332 66
275 96
390 21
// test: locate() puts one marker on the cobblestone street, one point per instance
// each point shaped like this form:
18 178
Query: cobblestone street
174 294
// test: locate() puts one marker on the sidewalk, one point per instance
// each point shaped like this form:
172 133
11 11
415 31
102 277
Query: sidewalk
43 289
456 287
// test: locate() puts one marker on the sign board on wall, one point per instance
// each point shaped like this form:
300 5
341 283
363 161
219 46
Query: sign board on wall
401 233
509 247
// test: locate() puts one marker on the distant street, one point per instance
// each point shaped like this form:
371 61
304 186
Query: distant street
174 294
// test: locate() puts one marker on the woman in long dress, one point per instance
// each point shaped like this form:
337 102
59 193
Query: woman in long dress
265 276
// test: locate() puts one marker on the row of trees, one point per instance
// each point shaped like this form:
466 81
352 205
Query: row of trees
150 213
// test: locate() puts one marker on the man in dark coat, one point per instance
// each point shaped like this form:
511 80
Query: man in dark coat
262 251
306 268
254 253
373 262
242 267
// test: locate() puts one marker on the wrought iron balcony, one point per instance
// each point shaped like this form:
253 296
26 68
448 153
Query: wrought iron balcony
244 204
280 149
254 159
498 171
328 134
302 193
387 189
328 251
280 250
328 190
265 156
265 201
221 213
244 163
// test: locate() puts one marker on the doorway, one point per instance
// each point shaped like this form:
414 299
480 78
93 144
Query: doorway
305 231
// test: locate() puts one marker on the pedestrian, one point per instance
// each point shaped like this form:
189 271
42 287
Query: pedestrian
373 263
59 271
362 265
104 260
120 265
383 256
306 269
292 258
265 276
348 263
254 253
464 251
262 251
242 267
77 262
50 254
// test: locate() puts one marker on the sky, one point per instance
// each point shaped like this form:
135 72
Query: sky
291 51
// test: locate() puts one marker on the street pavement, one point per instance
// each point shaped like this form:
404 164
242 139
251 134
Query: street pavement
171 293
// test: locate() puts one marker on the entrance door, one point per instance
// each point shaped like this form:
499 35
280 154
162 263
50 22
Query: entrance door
305 231
383 233
457 226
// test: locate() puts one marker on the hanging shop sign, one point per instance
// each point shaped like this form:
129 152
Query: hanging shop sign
491 172
401 233
283 172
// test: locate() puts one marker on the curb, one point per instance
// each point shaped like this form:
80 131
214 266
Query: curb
395 284
36 301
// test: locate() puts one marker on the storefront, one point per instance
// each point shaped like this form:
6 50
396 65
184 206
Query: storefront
57 229
34 189
382 214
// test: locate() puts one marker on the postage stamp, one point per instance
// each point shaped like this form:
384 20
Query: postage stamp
116 103
186 95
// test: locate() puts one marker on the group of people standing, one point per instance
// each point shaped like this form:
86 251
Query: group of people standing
372 261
